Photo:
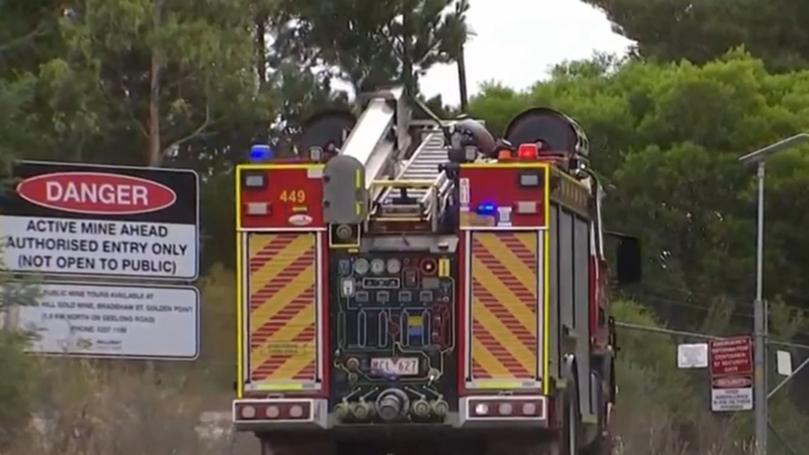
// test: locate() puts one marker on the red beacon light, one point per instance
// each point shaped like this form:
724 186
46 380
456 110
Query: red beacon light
528 152
504 155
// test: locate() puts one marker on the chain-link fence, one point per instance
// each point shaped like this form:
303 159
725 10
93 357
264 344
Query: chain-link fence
664 409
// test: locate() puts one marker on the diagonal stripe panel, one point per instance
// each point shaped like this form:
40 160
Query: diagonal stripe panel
281 303
504 296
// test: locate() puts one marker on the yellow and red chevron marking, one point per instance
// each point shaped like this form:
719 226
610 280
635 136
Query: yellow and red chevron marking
281 303
504 284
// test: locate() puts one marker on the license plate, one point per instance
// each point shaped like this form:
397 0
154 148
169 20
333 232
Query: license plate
402 366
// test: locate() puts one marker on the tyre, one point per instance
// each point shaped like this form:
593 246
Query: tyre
601 446
569 437
297 445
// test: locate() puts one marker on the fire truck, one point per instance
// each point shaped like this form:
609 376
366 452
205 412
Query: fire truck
419 286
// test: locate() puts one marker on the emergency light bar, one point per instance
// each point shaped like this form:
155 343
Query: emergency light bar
261 152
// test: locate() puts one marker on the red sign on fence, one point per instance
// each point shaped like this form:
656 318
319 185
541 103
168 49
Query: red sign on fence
731 356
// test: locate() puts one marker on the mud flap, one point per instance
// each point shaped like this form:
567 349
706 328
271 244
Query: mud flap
583 382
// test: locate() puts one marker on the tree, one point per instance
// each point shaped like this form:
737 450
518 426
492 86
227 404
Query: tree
141 78
28 34
369 45
134 82
667 137
670 30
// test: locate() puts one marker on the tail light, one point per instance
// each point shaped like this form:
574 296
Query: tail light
248 412
505 409
273 412
528 152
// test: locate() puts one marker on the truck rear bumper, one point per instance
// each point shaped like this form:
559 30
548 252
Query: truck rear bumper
280 414
475 412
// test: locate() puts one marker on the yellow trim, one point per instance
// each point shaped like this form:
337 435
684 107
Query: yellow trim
352 247
547 197
279 386
267 167
443 267
239 292
534 165
547 314
570 178
547 288
237 187
498 384
358 179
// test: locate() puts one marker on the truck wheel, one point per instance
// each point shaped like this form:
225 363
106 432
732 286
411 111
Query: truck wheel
601 446
511 445
297 445
569 437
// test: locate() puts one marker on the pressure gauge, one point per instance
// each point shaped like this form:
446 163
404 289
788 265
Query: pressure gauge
377 266
361 266
394 266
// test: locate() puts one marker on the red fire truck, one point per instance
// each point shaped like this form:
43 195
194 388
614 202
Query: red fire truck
412 287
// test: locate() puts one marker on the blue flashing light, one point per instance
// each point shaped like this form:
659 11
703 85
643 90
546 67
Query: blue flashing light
261 152
486 208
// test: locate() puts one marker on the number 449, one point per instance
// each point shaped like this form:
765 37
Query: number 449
294 196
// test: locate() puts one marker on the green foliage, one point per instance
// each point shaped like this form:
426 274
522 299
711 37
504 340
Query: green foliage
16 389
88 407
393 39
672 30
667 137
90 100
217 364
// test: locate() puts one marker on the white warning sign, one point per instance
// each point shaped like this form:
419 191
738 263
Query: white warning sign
112 320
90 247
105 221
733 397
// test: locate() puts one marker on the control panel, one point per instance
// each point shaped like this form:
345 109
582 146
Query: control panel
393 336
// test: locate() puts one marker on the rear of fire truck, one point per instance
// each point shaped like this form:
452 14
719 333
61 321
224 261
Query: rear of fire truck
397 291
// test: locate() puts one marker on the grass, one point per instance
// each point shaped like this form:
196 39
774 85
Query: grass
83 408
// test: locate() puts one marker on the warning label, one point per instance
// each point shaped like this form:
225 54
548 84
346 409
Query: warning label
731 399
92 247
113 320
98 220
731 356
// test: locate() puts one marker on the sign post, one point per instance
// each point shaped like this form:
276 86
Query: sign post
731 361
83 222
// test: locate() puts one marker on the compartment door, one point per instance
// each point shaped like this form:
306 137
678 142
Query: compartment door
281 301
505 295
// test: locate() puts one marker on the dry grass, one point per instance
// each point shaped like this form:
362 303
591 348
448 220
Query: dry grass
84 409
